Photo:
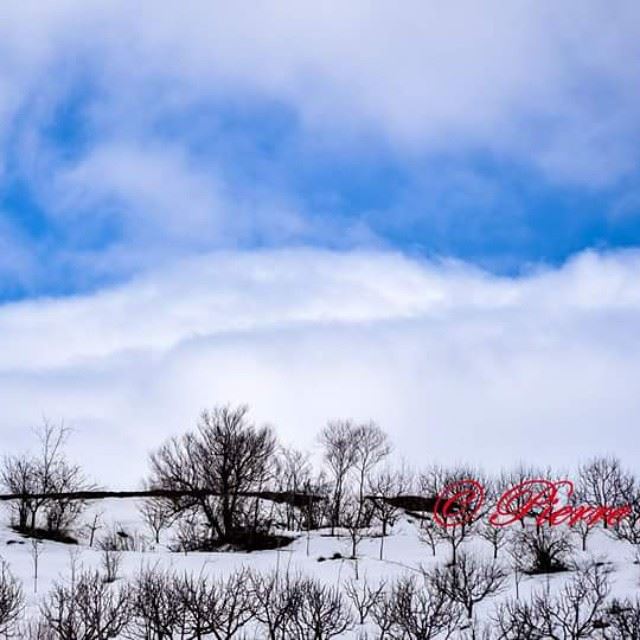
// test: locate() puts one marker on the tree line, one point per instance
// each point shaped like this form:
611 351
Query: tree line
212 482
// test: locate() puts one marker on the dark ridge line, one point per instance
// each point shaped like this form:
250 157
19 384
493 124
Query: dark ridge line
297 499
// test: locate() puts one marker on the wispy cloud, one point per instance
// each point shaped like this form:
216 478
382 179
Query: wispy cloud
455 363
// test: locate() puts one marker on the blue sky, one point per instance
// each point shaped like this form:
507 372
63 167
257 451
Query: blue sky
491 138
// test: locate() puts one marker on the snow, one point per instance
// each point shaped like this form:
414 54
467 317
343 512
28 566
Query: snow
404 553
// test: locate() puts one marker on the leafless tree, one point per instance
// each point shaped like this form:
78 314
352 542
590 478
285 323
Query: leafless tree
497 537
48 471
372 446
628 528
430 534
433 483
275 602
225 454
11 601
516 476
322 613
220 608
158 515
364 597
515 620
157 612
469 581
341 455
543 549
93 526
416 611
576 611
623 620
295 475
352 523
583 529
383 487
88 608
603 483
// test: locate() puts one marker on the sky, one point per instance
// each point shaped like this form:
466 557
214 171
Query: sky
426 214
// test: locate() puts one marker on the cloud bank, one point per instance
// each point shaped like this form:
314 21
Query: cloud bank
455 363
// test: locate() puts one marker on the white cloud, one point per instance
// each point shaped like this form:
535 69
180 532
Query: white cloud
540 82
455 363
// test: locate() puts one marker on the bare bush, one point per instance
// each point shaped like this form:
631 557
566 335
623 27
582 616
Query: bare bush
88 608
322 613
111 560
576 611
469 581
497 537
221 608
156 610
364 597
543 549
623 620
11 601
416 611
275 601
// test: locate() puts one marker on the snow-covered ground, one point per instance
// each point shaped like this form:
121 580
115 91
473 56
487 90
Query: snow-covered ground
404 552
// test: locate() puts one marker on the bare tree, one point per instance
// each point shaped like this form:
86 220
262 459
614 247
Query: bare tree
433 482
364 597
576 611
226 454
275 602
623 620
322 613
158 515
88 608
221 608
603 483
93 526
430 534
414 611
295 475
341 456
515 477
11 601
469 581
352 523
48 471
383 488
515 620
157 612
497 537
372 447
628 528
